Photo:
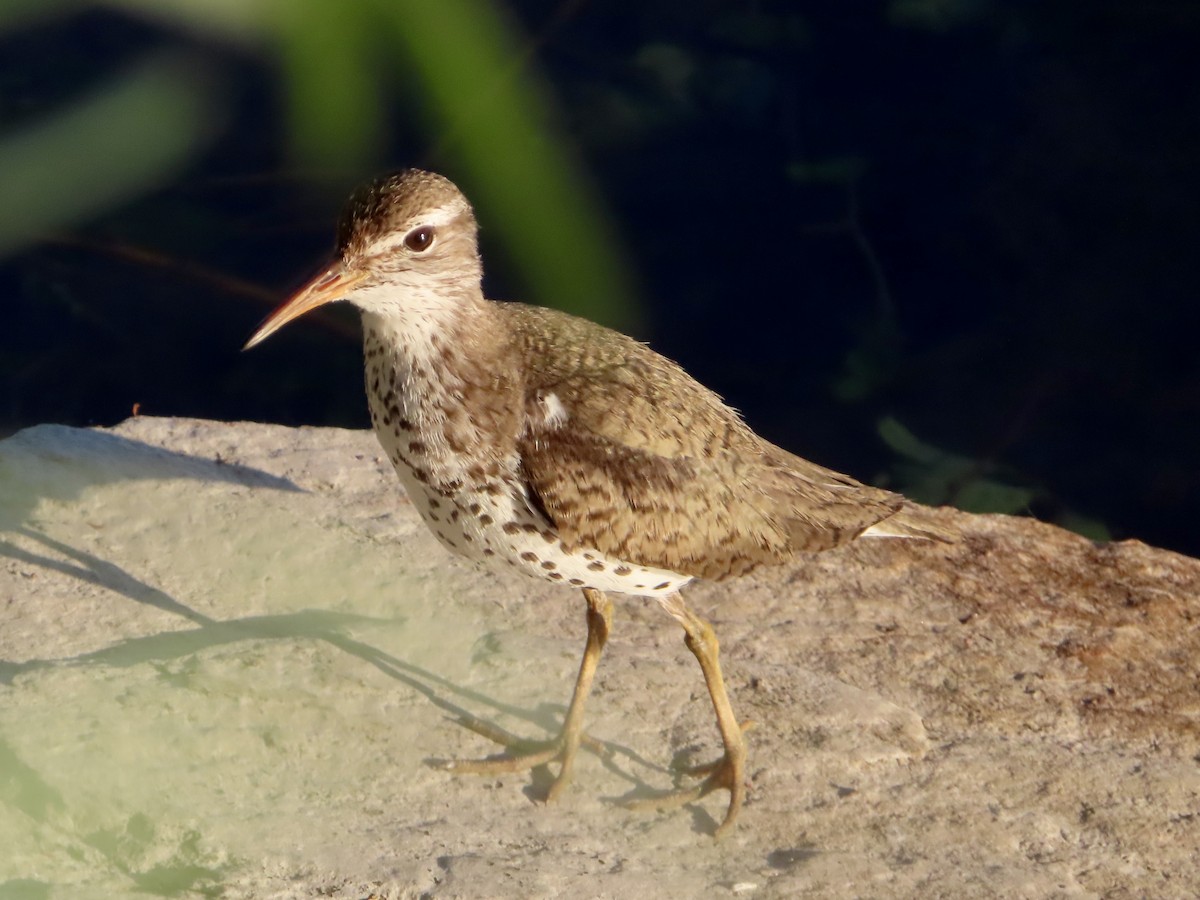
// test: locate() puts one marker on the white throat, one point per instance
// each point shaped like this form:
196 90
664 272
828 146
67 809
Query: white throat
414 319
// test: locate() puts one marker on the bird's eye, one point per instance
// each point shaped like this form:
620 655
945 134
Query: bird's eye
419 239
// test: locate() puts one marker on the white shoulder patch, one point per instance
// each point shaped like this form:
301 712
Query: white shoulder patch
554 411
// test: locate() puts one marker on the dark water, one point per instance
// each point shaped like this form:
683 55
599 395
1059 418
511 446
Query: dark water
976 220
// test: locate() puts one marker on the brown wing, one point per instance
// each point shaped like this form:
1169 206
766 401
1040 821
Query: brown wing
627 454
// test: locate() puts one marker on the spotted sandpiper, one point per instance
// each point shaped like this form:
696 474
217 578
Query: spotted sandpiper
529 437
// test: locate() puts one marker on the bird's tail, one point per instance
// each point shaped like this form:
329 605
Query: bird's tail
912 521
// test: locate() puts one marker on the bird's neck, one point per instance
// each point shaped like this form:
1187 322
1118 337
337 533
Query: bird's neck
447 371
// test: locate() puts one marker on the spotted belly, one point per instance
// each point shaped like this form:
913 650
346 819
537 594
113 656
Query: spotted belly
492 523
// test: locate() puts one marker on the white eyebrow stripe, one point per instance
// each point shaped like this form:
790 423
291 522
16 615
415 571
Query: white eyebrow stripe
437 217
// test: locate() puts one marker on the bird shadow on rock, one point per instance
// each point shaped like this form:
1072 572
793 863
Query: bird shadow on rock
208 633
311 624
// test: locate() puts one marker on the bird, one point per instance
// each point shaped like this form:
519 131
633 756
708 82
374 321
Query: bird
530 438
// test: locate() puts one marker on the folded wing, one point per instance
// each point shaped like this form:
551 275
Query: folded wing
625 453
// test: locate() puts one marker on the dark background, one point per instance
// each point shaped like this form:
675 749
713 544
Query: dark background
944 245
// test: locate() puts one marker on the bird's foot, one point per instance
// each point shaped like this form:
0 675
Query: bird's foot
521 754
726 773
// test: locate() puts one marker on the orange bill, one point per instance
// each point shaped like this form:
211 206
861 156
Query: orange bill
332 284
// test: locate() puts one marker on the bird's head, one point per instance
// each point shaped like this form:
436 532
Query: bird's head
406 246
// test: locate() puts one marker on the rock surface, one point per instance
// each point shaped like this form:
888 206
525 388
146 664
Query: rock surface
227 652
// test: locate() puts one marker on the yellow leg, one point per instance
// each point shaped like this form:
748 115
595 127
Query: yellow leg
727 773
563 748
